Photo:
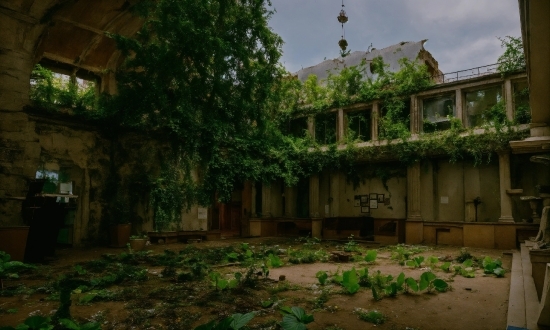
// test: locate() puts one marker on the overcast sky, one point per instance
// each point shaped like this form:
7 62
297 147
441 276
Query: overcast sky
462 33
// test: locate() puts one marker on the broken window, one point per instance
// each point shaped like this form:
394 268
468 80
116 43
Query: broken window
522 110
62 89
481 105
437 112
297 127
325 128
359 125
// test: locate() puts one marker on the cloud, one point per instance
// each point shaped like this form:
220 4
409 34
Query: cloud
462 33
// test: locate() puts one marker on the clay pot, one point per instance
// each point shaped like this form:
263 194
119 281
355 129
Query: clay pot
138 244
120 234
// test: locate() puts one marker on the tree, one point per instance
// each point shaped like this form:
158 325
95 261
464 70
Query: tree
198 74
513 58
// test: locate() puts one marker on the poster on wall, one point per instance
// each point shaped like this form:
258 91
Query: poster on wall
357 201
364 200
380 198
365 209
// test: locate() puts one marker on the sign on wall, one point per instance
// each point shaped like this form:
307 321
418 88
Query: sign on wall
202 213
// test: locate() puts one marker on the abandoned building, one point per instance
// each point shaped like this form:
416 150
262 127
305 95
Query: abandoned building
434 201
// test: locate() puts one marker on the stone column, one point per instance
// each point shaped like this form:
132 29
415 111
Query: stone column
374 121
459 110
415 115
414 227
509 97
340 124
314 196
505 184
311 126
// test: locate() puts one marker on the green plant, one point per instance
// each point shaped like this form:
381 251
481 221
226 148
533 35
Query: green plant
372 316
351 245
466 269
464 255
295 318
429 281
491 266
415 262
350 281
221 284
274 261
38 322
371 256
513 58
322 277
11 269
233 322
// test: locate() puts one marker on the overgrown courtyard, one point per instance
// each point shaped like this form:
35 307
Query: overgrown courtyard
280 283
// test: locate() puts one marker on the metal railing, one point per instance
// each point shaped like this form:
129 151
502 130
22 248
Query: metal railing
465 74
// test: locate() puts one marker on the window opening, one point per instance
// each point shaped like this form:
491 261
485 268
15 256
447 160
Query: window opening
522 109
437 112
325 128
297 127
359 125
480 103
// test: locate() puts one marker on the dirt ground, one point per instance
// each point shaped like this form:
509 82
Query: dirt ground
160 302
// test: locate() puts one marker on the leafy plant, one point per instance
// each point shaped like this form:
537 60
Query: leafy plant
513 58
295 318
38 322
466 269
322 277
350 281
415 262
274 261
11 269
371 256
491 266
351 245
372 316
429 281
233 322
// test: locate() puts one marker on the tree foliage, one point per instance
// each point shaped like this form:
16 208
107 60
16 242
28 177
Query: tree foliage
513 58
198 73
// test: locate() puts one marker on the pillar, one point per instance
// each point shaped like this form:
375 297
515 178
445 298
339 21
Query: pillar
334 208
374 121
505 184
414 227
509 97
459 110
340 125
314 196
415 115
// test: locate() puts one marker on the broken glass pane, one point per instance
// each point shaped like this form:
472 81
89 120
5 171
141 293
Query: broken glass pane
479 103
437 112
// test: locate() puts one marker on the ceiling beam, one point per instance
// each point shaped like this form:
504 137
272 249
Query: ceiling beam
64 60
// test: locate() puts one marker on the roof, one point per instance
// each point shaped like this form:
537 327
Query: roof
391 56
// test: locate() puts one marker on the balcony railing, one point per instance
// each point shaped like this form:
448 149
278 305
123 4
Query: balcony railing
465 74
